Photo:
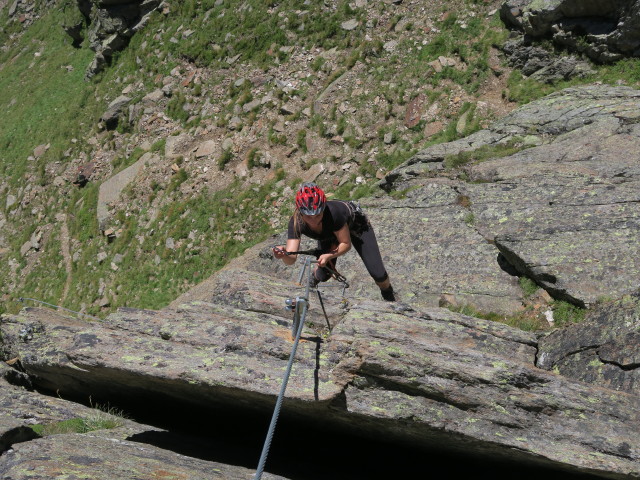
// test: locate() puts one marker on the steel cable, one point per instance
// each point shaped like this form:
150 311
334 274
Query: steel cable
283 387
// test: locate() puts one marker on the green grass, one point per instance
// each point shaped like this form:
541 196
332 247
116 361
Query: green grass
484 153
626 71
564 313
317 63
302 140
178 179
523 320
391 160
251 157
82 220
529 319
350 192
175 107
159 145
524 90
469 219
253 29
101 418
50 260
529 287
156 281
470 45
49 111
120 163
226 157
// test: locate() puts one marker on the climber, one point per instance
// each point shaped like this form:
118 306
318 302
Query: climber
336 225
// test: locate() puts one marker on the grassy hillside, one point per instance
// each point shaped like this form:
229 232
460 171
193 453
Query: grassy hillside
174 230
44 100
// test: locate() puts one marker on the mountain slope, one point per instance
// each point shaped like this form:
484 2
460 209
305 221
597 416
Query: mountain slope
227 107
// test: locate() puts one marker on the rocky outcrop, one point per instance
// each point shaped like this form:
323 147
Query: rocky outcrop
101 457
563 210
114 113
540 64
602 350
111 189
428 378
603 31
434 256
110 24
24 12
120 451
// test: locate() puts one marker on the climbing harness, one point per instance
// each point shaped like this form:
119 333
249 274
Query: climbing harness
358 222
22 299
299 306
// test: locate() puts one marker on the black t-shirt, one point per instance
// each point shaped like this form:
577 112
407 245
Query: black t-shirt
336 215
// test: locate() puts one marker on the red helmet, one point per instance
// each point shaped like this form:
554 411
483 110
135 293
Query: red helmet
310 199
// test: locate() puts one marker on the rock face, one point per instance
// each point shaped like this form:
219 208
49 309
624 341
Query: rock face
100 457
563 210
603 31
426 377
103 454
537 63
114 112
110 25
111 189
603 350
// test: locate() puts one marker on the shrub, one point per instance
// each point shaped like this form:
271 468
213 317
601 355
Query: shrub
251 157
529 287
317 63
175 107
178 178
302 140
565 313
225 158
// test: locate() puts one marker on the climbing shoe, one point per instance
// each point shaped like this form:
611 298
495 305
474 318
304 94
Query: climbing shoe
388 294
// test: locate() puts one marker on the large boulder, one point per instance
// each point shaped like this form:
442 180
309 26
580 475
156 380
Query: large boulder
550 192
114 113
603 31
